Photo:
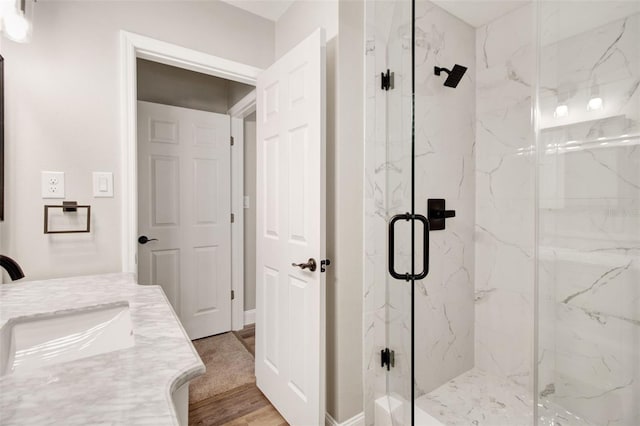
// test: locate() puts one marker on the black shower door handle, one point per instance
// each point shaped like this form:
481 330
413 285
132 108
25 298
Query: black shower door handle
425 241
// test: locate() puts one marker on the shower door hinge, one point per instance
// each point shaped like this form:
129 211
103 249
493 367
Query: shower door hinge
232 141
233 218
386 80
387 358
233 294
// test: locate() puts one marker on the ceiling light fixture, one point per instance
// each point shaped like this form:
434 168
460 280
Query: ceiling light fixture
562 110
15 24
595 101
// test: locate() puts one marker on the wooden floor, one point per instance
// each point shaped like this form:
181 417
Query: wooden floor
242 406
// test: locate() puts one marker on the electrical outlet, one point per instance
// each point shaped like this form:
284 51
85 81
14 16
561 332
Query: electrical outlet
52 184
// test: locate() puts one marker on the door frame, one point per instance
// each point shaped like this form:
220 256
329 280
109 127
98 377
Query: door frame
238 112
133 46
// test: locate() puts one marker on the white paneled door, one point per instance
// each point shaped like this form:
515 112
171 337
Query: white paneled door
290 317
184 209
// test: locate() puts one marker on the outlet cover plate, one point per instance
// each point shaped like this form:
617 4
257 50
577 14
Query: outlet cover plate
52 184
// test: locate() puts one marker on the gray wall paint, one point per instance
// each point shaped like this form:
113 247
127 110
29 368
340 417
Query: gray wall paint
301 19
250 213
164 84
349 209
345 143
63 113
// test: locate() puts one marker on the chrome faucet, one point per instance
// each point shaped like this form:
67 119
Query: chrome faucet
12 268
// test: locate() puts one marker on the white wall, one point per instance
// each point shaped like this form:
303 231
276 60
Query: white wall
63 113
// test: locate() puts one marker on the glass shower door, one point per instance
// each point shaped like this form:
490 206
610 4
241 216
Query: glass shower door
388 375
401 223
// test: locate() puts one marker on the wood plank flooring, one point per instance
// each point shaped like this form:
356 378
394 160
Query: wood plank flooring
242 406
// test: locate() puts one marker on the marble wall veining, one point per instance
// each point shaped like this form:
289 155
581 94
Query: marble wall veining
505 197
563 207
589 226
445 168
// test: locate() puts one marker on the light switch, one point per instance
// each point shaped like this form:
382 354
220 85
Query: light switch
102 184
52 184
246 202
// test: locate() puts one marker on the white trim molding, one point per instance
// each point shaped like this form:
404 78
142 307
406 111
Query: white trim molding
237 227
245 106
357 420
238 113
249 317
133 46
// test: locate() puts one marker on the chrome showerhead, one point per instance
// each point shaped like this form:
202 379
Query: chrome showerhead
454 75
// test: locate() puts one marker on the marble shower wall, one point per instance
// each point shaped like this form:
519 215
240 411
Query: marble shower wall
505 197
445 168
589 255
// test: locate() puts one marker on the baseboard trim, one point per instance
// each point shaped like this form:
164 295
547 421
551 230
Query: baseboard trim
357 420
250 317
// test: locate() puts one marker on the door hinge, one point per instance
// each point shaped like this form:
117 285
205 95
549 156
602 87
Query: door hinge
232 141
387 358
386 80
233 218
233 294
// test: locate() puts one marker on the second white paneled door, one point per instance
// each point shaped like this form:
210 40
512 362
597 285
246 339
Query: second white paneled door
184 202
290 240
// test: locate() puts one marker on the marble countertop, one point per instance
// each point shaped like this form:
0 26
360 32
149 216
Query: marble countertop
126 387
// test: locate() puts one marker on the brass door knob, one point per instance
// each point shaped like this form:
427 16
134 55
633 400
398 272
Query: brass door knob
310 265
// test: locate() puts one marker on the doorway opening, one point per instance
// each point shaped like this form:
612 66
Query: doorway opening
213 99
189 154
292 122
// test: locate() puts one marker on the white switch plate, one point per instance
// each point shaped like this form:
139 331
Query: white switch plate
102 184
52 184
246 201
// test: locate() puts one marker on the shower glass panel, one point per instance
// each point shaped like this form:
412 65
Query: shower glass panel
388 152
589 213
527 125
470 325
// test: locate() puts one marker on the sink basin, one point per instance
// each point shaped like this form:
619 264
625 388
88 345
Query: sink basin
35 342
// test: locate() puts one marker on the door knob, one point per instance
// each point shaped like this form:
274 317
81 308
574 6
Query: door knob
144 240
310 265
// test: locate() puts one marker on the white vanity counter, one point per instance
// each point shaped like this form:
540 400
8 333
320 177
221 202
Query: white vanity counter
131 386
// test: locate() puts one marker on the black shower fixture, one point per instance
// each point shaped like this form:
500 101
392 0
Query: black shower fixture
455 75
